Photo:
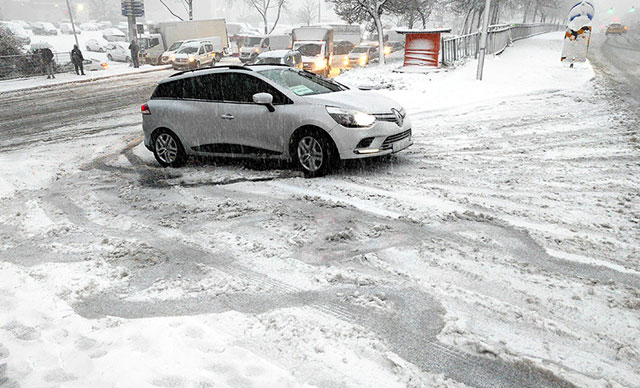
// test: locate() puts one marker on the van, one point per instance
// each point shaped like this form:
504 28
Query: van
256 45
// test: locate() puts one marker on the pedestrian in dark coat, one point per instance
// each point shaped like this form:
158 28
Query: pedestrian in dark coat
77 60
47 61
135 50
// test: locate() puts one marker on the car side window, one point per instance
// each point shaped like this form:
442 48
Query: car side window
208 47
240 87
201 51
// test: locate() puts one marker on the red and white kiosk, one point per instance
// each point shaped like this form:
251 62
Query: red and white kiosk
422 48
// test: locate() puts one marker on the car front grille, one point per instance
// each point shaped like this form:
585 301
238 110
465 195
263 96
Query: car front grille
394 138
390 117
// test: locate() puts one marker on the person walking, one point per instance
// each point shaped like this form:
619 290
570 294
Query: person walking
77 60
47 61
135 50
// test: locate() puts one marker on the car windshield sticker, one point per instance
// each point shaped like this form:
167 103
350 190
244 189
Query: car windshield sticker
301 90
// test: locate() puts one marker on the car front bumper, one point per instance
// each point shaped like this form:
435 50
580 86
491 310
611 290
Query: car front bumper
383 138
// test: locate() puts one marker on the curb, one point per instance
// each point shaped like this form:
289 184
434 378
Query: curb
84 80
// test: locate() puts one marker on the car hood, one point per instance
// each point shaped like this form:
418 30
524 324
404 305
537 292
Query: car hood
183 56
364 101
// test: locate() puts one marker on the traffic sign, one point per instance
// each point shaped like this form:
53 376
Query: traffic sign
132 8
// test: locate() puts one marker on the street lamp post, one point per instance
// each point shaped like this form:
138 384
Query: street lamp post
73 25
483 41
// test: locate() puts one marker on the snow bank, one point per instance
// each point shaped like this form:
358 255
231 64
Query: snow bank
531 66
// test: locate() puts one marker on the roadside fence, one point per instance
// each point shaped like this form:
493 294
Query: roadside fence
500 36
30 64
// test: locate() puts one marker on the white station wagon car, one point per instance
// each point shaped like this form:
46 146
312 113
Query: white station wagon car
270 112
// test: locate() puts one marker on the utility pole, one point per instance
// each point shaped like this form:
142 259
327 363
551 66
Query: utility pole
73 24
483 40
319 11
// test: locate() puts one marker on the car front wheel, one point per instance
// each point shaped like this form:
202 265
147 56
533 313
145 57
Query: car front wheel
314 153
168 149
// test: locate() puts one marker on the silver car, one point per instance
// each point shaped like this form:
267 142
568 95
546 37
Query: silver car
270 112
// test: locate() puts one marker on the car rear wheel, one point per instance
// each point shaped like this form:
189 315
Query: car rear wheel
109 57
168 149
314 153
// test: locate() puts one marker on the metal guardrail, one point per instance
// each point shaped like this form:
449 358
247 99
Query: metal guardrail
458 48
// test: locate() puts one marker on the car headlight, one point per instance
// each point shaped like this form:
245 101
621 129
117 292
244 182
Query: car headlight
191 59
320 64
172 58
351 118
364 59
346 61
387 50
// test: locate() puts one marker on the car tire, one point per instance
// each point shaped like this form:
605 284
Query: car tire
101 50
109 57
168 149
314 153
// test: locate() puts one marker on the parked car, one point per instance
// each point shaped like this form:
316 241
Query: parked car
95 46
123 26
118 51
18 33
194 55
114 35
105 24
43 28
22 24
615 28
67 28
362 55
270 112
280 57
89 27
89 64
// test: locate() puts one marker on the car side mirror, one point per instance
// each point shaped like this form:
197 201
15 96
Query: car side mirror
265 99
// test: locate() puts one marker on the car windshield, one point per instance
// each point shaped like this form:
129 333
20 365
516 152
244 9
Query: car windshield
252 41
175 46
302 83
189 50
309 49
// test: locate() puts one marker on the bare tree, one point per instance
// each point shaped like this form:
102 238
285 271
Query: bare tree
356 11
307 11
263 7
186 4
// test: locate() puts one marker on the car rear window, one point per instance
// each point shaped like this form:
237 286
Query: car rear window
204 87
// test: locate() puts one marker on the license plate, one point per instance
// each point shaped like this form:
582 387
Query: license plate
402 144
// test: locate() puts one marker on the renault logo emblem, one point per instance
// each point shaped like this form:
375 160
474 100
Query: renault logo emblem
399 118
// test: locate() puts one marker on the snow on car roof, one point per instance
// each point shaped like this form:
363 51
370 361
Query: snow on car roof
274 54
113 31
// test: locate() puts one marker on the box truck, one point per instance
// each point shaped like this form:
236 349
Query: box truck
316 46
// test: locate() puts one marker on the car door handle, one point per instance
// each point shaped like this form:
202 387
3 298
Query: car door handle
227 117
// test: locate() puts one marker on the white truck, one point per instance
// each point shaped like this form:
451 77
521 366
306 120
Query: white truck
256 45
316 46
345 38
165 34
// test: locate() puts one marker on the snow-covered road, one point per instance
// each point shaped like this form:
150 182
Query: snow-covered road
501 250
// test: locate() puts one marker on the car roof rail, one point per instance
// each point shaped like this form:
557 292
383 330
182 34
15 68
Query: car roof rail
233 67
